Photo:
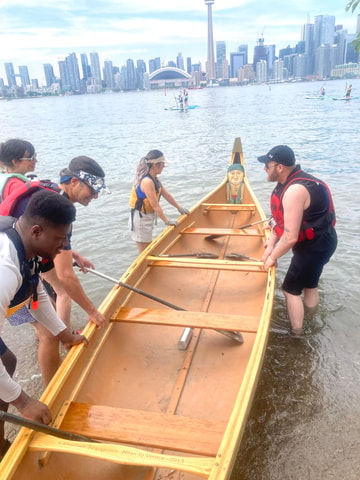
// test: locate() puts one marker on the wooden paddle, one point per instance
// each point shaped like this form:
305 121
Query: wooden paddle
212 237
41 427
197 255
240 256
233 335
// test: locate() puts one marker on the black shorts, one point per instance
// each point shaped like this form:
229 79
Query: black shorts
308 262
3 347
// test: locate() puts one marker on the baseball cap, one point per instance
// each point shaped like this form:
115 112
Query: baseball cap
279 154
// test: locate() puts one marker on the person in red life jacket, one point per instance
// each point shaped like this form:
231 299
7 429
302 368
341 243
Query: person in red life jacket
303 220
17 158
41 231
145 197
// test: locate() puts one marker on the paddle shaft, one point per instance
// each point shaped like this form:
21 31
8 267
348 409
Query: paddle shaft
212 237
41 427
234 335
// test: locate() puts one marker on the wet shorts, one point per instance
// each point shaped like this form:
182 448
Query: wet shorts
308 262
3 347
141 227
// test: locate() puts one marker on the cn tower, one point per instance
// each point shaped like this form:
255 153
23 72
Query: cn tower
210 68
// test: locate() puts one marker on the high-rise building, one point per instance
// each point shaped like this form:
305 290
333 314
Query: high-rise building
49 74
210 66
85 66
220 57
73 72
95 67
108 74
180 61
237 60
10 74
324 30
154 64
131 75
140 72
24 75
188 65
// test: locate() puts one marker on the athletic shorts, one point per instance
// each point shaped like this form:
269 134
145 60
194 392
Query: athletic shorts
3 347
307 264
21 316
141 227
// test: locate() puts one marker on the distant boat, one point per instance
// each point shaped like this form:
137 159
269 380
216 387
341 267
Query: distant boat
189 107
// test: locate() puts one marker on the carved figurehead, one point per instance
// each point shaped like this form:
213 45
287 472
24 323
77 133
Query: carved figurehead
235 183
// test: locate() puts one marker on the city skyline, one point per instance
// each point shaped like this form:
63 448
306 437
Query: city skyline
143 30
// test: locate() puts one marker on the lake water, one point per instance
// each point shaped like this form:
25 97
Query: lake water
305 419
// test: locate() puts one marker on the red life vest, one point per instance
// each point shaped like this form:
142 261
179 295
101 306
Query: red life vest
319 216
14 204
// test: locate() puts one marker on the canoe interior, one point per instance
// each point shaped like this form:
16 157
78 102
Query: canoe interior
136 376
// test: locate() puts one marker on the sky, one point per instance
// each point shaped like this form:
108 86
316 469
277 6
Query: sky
34 32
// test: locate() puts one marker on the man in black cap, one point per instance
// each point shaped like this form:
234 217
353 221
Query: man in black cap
303 219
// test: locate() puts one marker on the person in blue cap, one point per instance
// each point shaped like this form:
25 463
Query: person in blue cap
303 220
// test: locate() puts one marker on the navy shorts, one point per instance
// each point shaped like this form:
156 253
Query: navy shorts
308 262
3 347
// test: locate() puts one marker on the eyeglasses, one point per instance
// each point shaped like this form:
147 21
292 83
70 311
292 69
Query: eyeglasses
30 159
267 167
160 163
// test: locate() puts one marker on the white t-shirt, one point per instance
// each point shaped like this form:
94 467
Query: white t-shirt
10 282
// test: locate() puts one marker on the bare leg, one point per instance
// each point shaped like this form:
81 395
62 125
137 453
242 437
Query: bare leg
295 308
9 361
142 245
63 301
311 299
48 352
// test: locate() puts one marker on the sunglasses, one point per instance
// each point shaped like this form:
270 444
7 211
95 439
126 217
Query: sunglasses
30 159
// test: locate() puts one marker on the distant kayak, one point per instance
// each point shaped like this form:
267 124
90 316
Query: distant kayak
190 107
346 98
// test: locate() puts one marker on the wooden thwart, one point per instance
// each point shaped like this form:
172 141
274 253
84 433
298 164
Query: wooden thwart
123 454
207 264
142 428
247 207
240 323
222 231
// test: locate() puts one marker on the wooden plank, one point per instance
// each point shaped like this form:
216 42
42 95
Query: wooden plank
208 264
142 428
123 454
248 207
180 318
236 232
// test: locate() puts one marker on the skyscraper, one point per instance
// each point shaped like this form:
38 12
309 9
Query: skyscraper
49 74
95 67
220 57
24 75
210 67
10 74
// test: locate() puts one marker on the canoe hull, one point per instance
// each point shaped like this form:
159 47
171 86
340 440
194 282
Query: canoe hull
153 403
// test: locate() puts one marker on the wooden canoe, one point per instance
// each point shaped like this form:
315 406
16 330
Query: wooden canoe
161 406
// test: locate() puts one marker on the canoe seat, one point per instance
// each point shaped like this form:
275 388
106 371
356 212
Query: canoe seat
244 207
223 231
143 428
180 318
207 264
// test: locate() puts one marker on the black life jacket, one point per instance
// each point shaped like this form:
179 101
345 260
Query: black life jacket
29 269
318 217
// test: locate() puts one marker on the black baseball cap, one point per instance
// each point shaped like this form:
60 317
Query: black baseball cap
279 154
